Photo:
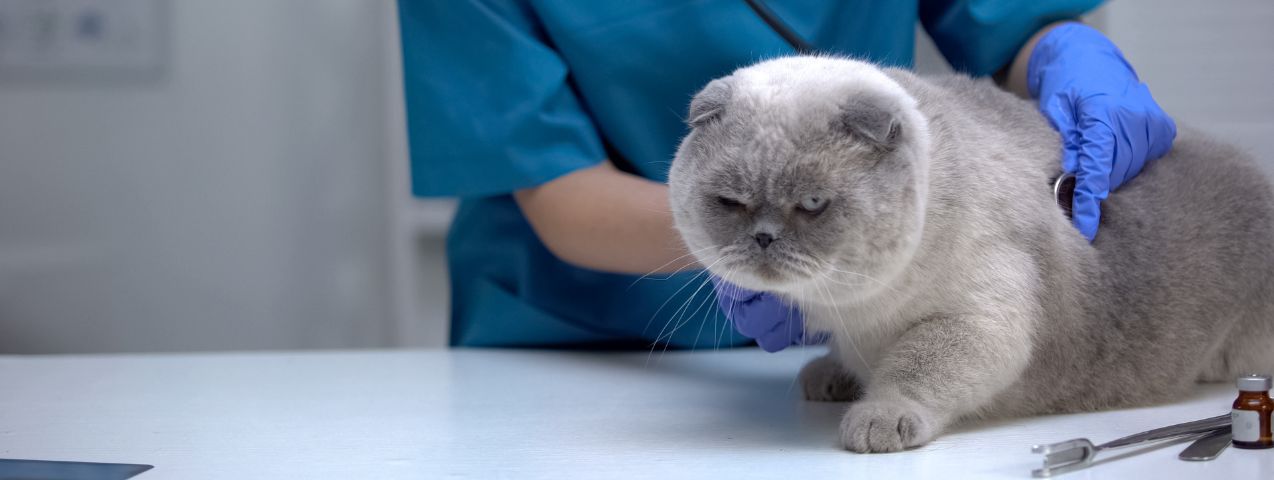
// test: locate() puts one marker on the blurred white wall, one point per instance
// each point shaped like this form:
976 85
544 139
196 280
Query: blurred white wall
236 200
1209 64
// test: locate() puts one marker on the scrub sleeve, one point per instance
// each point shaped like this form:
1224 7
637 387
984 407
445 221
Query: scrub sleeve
979 37
492 110
497 102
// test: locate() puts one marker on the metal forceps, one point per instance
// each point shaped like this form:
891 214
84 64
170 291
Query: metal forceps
1079 453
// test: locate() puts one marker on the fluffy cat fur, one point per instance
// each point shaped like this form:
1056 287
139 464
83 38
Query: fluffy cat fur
913 219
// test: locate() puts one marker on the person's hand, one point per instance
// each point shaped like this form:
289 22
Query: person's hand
1109 123
773 323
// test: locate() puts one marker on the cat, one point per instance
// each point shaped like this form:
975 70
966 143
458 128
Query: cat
913 219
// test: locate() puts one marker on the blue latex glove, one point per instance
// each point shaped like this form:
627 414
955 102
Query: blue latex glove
773 323
1110 125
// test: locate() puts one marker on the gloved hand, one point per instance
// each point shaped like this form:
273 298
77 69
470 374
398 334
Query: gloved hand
773 323
1110 125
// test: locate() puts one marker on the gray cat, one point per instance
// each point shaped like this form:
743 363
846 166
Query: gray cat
913 219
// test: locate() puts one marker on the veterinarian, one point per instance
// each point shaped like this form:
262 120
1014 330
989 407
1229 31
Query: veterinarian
555 121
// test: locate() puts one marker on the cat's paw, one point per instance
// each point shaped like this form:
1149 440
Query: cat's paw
874 426
824 380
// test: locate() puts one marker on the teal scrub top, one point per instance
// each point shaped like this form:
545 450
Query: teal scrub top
506 95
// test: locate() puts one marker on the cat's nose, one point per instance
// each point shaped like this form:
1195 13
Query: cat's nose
764 239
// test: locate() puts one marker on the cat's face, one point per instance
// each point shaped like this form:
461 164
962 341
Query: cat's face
802 170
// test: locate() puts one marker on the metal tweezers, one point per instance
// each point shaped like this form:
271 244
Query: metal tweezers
1079 453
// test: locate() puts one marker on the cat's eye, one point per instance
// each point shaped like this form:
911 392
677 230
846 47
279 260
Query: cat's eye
729 202
812 204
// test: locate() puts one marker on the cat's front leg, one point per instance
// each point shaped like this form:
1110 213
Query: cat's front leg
940 369
824 379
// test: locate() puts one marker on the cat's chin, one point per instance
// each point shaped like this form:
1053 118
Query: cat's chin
799 286
764 279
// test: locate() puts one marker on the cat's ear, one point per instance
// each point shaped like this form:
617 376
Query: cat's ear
871 120
710 102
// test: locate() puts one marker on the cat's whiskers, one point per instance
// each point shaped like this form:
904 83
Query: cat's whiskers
728 278
809 263
676 314
840 320
844 282
688 318
691 317
828 276
729 323
830 267
674 272
689 282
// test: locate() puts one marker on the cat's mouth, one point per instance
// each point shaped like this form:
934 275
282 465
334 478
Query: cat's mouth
768 273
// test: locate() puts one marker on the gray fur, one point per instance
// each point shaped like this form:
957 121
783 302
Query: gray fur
951 283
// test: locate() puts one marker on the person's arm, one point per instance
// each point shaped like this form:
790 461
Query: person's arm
604 219
1015 80
1110 125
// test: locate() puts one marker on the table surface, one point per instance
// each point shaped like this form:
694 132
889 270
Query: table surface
516 414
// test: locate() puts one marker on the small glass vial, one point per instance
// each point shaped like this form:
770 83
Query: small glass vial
1251 413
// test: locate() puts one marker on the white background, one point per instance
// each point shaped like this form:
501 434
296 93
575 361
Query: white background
253 193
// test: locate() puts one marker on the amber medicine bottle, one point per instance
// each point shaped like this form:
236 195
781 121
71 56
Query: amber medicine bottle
1251 413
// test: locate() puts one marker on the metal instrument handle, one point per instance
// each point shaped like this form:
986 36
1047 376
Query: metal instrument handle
1188 428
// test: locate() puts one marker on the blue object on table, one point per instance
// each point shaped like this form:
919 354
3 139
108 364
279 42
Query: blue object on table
1109 123
508 95
21 469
